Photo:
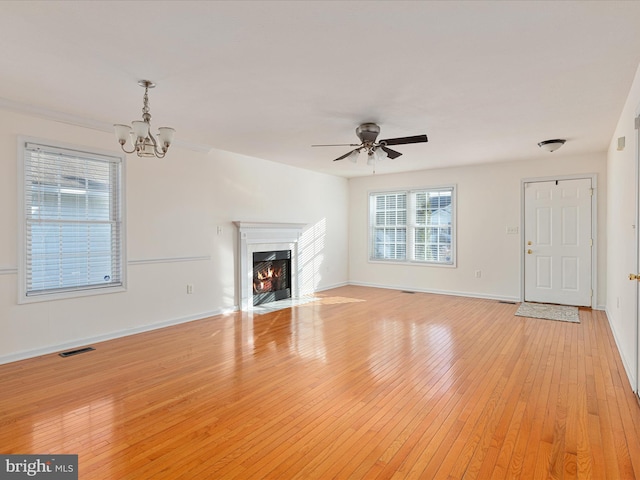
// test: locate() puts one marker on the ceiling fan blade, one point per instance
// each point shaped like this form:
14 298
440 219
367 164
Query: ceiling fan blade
405 140
390 153
337 145
345 155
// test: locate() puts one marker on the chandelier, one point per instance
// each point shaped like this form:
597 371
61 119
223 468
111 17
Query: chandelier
144 143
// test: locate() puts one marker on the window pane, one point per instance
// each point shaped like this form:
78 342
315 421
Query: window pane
391 202
391 218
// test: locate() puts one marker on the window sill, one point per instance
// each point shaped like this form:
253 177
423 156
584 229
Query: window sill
413 263
48 297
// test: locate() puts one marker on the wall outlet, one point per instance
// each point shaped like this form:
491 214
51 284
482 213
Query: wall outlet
512 230
220 230
478 273
189 289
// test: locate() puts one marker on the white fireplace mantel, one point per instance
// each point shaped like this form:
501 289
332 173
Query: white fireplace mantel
259 237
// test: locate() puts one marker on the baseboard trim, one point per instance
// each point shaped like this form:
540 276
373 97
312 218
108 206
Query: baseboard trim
329 287
628 370
439 292
81 342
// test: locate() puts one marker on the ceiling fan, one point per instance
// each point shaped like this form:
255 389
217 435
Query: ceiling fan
367 133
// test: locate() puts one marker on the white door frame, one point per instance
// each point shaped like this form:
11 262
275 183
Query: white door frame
594 227
636 387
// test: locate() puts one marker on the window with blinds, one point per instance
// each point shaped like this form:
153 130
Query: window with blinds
413 226
72 220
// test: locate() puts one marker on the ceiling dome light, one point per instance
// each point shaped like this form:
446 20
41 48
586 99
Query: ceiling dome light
551 145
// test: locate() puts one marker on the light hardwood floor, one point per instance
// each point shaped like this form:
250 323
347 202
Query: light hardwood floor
363 383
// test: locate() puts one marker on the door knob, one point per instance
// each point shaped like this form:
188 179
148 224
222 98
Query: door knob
633 276
529 251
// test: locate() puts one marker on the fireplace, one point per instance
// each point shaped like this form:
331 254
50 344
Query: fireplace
260 237
271 276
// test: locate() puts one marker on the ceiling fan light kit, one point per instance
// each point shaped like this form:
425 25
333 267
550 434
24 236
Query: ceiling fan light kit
144 142
552 145
376 151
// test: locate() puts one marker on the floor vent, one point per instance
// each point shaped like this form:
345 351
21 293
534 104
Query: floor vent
406 291
76 352
507 302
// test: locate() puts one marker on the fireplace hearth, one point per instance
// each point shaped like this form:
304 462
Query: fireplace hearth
271 276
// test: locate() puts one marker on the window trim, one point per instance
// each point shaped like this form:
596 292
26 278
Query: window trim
72 292
411 226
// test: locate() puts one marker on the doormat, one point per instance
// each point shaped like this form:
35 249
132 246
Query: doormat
549 312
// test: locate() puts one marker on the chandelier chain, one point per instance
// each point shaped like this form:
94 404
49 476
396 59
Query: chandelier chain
146 116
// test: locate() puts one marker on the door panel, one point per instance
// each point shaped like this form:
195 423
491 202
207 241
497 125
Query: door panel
558 242
570 271
570 226
543 231
543 274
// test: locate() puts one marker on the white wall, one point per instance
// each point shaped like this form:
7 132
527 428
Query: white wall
174 206
488 200
621 218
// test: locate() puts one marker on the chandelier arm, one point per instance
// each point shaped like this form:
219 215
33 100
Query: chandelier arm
159 153
125 150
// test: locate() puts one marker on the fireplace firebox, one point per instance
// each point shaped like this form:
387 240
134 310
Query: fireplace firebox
271 276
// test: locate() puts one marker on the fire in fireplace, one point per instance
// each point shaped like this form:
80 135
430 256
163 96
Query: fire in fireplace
271 276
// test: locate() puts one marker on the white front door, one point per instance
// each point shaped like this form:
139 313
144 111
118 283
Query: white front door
558 242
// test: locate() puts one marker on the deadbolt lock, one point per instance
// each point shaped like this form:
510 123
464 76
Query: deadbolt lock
529 242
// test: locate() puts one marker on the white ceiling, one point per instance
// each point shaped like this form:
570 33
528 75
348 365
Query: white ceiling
484 80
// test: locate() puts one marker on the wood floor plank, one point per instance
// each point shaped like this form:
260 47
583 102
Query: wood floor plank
362 383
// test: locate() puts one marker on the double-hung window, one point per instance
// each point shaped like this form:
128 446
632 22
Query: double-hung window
72 235
413 226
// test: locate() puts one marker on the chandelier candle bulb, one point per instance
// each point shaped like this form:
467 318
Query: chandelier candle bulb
141 129
166 135
122 133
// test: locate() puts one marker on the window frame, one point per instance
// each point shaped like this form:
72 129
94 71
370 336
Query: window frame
411 226
24 296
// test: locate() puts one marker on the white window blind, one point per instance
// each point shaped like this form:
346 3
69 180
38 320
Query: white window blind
413 226
433 226
73 229
390 226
